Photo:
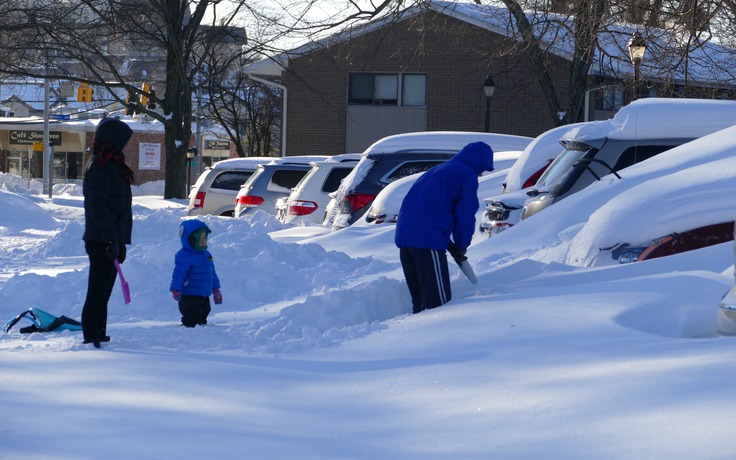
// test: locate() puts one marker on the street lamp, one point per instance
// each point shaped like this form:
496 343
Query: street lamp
191 153
489 87
637 47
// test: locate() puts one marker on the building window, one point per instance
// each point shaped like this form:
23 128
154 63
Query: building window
610 98
68 165
383 89
414 89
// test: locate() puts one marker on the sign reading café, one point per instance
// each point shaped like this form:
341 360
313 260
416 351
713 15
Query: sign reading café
31 137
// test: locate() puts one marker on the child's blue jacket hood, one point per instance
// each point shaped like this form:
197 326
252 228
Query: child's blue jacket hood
194 271
187 228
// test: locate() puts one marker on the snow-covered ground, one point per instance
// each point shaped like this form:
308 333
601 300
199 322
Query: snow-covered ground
314 353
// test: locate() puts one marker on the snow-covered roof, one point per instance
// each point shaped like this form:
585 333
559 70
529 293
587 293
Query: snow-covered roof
707 62
74 125
31 92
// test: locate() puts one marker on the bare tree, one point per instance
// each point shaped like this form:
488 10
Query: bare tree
249 112
680 34
92 41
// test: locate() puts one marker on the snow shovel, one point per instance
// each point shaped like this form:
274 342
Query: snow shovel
462 262
123 284
468 271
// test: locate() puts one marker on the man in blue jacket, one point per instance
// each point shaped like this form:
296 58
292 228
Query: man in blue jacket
439 213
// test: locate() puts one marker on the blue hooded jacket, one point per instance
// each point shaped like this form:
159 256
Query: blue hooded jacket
194 271
442 203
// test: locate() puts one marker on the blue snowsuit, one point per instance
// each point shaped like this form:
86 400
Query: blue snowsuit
439 208
194 276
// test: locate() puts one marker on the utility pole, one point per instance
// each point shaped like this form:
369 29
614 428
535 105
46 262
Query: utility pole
48 155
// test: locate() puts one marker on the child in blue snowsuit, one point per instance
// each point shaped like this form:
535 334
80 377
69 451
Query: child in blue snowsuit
194 277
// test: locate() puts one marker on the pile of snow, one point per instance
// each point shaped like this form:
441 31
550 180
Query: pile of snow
314 353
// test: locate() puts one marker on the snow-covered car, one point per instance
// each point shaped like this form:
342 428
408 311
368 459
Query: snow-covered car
272 181
726 318
504 210
308 200
639 131
385 208
401 155
675 202
215 190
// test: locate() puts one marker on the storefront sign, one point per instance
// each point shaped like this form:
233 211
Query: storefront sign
212 144
29 137
149 156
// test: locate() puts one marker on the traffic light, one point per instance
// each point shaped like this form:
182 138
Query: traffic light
130 103
146 87
152 105
84 93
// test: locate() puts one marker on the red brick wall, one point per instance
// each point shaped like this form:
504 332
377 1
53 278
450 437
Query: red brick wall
132 157
456 58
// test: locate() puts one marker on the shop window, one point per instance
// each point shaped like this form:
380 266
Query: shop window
68 165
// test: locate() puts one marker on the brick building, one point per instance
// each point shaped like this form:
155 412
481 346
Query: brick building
72 141
431 67
425 68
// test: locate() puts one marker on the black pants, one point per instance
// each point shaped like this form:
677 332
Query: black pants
99 287
427 276
194 310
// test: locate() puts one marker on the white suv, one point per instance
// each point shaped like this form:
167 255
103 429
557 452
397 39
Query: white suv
307 203
216 188
272 181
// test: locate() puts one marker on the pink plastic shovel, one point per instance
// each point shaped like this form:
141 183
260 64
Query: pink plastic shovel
123 284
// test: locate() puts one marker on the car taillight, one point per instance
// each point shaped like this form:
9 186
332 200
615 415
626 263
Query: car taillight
199 200
357 201
498 227
535 177
250 201
302 208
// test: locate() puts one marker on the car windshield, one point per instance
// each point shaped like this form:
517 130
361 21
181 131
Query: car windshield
561 166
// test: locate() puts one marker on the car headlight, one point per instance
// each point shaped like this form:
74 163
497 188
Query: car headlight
625 253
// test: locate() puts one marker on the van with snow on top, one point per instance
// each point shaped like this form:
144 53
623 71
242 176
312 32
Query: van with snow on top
402 155
639 131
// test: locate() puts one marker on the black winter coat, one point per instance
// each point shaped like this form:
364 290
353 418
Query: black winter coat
108 214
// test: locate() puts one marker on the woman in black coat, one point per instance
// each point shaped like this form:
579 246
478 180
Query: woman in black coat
108 221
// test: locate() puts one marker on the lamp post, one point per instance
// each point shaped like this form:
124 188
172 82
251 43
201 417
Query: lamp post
637 47
489 87
191 153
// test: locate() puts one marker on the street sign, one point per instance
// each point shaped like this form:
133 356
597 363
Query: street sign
60 116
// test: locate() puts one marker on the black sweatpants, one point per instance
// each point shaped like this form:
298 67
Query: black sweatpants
194 310
427 276
99 287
